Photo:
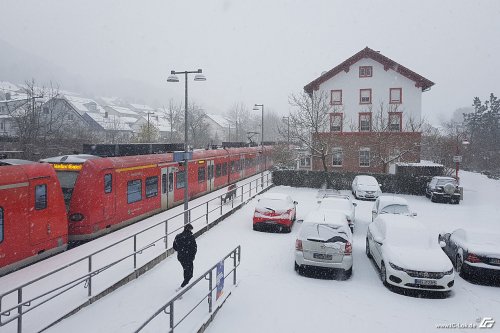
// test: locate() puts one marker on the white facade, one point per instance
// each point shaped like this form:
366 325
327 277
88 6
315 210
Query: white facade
380 83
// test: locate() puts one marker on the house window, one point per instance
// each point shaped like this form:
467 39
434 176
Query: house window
201 174
365 96
394 155
337 156
40 197
180 180
365 122
365 71
336 98
305 162
134 191
395 95
151 187
336 122
108 183
364 157
395 121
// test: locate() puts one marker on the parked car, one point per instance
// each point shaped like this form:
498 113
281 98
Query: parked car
340 203
365 187
386 204
324 241
443 189
407 254
275 210
473 253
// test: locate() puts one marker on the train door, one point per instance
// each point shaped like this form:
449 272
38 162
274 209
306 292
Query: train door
210 177
242 167
167 187
109 197
39 210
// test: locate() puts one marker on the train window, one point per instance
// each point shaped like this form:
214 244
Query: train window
180 180
1 224
233 167
108 183
134 190
224 169
164 183
201 174
151 187
218 170
40 197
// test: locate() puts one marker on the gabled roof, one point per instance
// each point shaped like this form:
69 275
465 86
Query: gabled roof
420 81
220 120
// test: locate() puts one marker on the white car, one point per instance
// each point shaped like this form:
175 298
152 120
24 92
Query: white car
386 204
340 203
324 241
365 187
407 254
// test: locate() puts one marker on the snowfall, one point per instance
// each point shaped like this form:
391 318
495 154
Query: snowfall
271 297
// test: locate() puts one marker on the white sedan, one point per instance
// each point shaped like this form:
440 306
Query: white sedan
324 242
365 187
407 254
340 203
390 204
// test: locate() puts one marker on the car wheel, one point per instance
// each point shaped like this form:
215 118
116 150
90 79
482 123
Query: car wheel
352 229
346 273
383 274
367 250
433 197
287 229
427 195
255 227
296 267
356 195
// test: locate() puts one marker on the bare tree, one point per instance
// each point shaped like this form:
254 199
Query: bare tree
198 133
239 116
308 119
174 114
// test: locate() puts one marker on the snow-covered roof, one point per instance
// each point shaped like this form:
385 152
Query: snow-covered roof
84 105
162 124
142 107
112 122
220 120
8 87
78 158
123 110
421 163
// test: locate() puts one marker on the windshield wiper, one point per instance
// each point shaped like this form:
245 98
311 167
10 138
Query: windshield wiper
270 209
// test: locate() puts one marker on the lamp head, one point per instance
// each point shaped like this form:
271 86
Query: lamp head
200 77
173 78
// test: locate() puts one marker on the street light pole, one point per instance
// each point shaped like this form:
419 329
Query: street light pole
174 78
256 108
149 130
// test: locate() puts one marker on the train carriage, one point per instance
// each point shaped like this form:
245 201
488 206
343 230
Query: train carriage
33 223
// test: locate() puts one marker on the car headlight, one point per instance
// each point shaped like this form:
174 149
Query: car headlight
449 272
396 267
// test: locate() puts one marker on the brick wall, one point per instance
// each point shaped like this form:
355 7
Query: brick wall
380 143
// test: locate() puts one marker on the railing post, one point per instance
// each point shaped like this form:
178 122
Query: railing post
234 263
221 205
90 277
207 215
166 234
171 317
242 193
135 251
210 291
20 310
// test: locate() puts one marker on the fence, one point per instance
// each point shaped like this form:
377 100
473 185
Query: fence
20 306
169 307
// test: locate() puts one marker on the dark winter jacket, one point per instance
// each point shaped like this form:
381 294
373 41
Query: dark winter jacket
185 245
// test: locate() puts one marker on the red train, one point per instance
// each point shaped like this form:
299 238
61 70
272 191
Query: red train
100 195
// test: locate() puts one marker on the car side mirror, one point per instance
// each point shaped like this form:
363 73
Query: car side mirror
295 202
299 221
374 211
413 214
442 243
378 240
355 204
319 201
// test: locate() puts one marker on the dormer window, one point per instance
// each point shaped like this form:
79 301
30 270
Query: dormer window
365 71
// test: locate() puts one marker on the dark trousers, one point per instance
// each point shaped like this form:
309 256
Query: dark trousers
187 266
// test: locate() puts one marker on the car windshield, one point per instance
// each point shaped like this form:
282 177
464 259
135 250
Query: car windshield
395 209
442 182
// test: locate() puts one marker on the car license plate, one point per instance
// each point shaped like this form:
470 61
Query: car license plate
322 256
495 261
425 282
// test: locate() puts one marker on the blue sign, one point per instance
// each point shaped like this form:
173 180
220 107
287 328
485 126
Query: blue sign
179 156
220 279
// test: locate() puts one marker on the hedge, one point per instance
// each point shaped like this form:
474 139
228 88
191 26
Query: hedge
401 184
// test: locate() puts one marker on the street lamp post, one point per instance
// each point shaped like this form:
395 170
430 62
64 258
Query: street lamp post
149 130
173 78
458 157
256 108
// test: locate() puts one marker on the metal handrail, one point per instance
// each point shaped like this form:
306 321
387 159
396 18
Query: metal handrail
235 254
87 278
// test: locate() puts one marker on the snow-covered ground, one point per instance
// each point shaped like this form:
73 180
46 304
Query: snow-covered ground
272 297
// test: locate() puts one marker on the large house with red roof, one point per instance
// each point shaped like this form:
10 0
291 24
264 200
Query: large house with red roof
376 106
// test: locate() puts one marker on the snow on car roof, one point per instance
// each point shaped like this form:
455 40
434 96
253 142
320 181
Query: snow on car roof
326 216
368 180
386 200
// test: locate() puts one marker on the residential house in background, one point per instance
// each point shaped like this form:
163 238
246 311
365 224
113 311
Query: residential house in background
376 113
220 128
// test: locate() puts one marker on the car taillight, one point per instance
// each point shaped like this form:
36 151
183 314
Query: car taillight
298 245
348 249
472 258
76 217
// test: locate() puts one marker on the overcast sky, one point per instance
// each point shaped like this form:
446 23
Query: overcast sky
260 51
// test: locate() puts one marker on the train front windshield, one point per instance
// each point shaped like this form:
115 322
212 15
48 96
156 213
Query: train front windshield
67 180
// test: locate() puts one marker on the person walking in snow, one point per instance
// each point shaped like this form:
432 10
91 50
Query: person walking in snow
185 245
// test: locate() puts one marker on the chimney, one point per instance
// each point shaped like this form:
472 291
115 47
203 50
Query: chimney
105 114
7 96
